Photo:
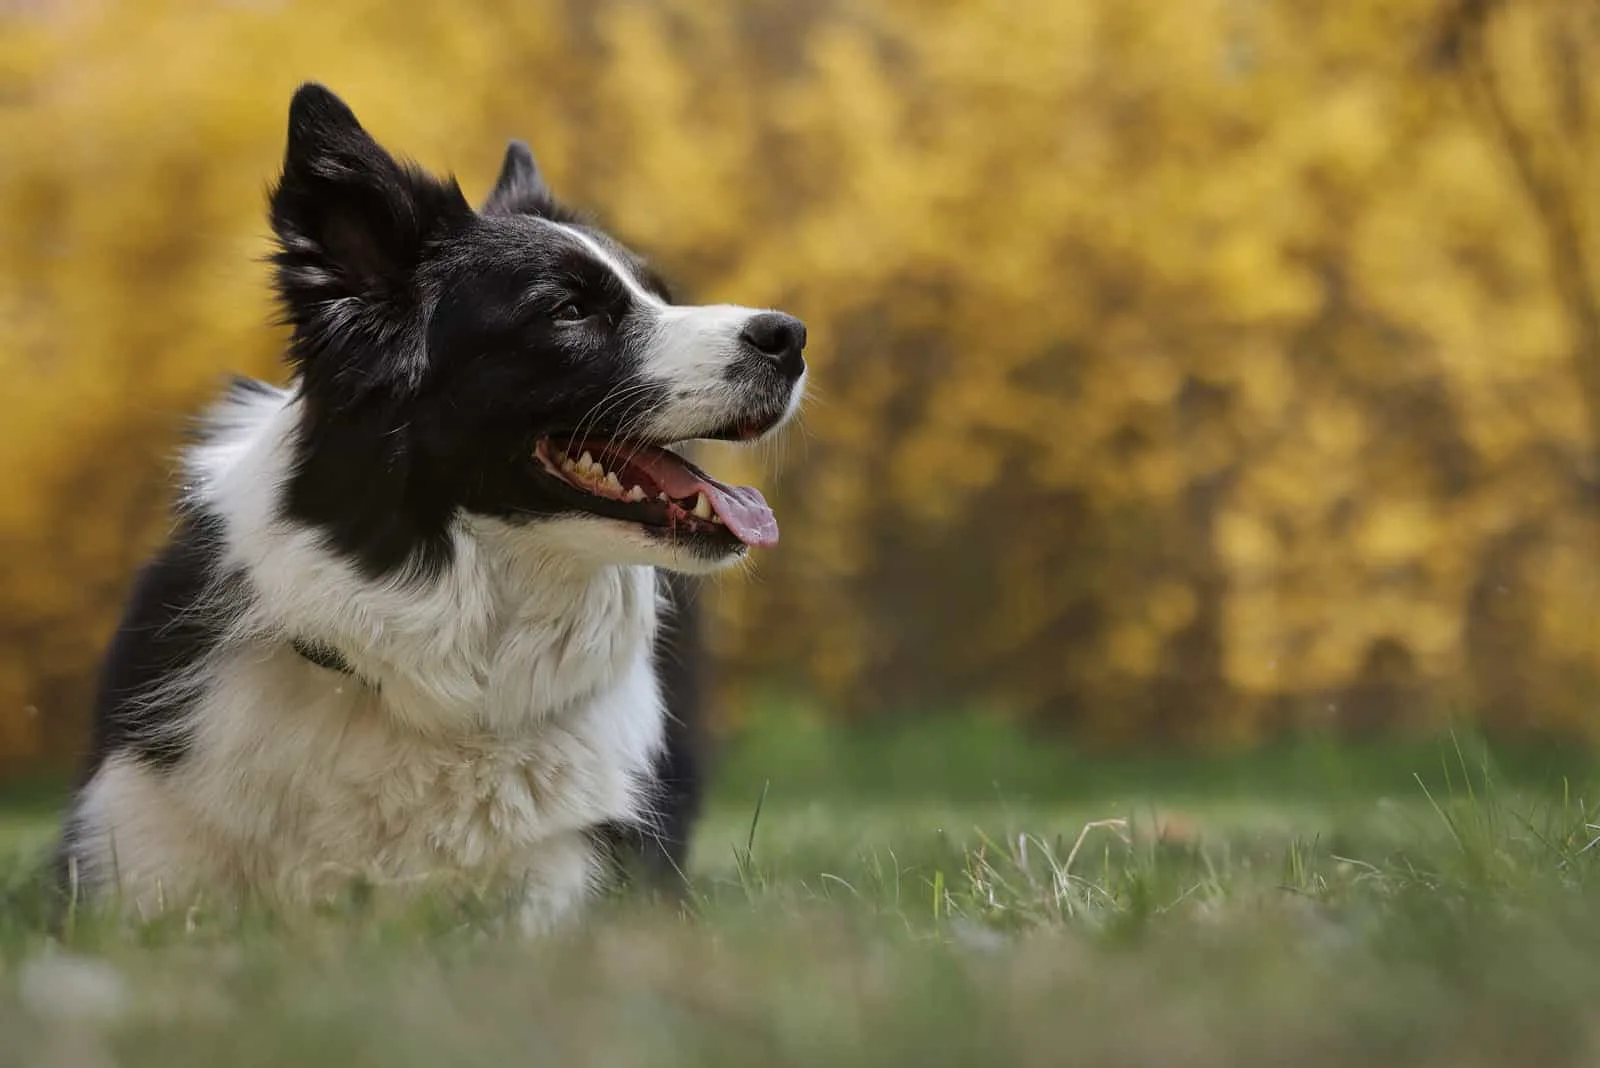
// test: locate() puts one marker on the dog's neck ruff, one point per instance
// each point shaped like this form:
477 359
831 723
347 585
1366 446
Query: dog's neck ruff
512 630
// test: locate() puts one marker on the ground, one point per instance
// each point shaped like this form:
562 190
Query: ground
943 894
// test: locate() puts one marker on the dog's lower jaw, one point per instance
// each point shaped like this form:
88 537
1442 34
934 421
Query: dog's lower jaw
593 544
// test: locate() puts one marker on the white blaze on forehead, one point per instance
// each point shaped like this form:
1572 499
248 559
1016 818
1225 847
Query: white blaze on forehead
616 266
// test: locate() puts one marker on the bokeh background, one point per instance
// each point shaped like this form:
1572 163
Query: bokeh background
1187 373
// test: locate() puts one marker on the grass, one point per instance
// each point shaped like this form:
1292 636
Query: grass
1412 906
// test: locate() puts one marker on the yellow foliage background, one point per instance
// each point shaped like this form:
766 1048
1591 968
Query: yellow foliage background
1184 370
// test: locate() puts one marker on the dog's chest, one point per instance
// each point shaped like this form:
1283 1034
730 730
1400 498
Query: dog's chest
463 759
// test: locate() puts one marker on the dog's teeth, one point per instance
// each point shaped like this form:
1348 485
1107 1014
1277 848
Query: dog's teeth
636 494
716 519
702 507
613 483
662 497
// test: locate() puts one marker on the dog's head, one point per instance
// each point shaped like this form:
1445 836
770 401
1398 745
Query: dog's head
512 362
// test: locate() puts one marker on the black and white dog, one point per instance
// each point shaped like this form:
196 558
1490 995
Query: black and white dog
409 621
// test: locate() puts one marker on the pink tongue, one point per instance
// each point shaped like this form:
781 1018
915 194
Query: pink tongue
742 508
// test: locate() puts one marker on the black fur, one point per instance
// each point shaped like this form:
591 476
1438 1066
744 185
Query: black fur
659 855
160 637
680 774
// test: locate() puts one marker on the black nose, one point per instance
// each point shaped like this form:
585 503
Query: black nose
780 336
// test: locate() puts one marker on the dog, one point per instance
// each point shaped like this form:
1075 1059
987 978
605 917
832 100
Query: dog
409 625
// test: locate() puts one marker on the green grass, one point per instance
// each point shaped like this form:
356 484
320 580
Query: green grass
1441 913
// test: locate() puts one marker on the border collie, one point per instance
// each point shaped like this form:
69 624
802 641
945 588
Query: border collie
407 624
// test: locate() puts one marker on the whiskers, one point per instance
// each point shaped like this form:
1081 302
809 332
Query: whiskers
624 395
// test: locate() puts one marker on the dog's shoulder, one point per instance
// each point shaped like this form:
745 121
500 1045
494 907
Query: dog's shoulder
176 615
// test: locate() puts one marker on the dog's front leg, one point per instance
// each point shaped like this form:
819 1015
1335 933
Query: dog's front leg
561 875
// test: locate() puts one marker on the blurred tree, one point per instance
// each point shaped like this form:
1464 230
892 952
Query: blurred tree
1183 370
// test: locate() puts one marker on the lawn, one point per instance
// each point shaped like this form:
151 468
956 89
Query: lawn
942 895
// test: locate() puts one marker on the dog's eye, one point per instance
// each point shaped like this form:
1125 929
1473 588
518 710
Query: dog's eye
570 312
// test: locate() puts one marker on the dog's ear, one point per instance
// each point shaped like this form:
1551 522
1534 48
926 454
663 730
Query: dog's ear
520 189
350 219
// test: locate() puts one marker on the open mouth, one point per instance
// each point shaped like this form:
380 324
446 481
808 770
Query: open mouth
657 489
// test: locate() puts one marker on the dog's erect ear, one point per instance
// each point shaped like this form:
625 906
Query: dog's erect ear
520 189
350 219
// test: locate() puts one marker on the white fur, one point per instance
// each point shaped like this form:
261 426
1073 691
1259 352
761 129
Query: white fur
508 704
